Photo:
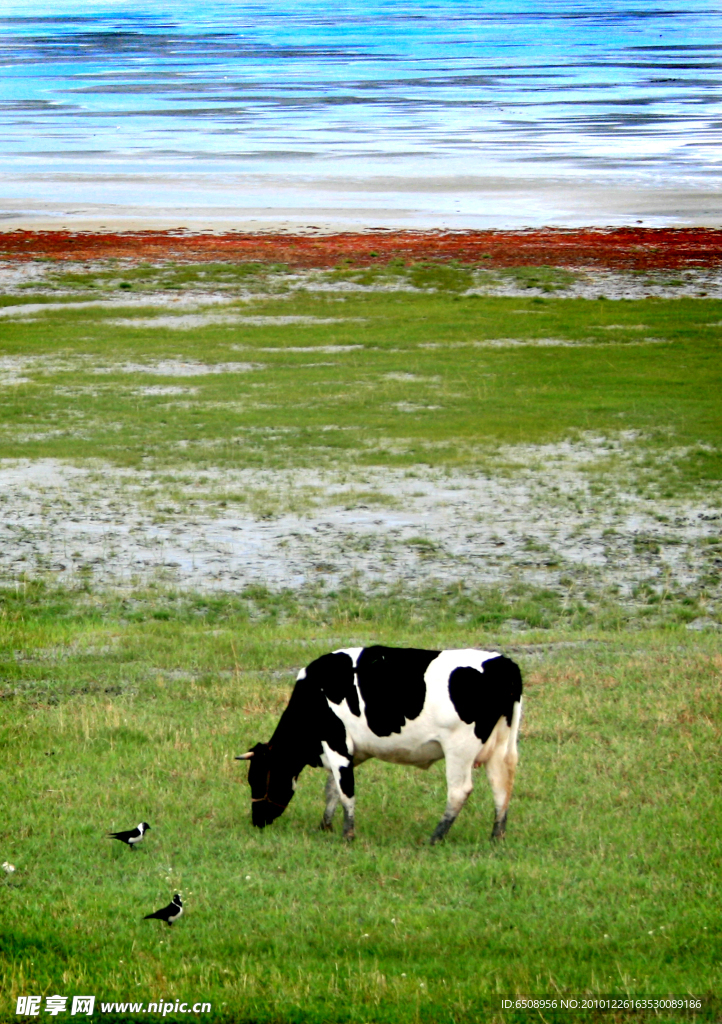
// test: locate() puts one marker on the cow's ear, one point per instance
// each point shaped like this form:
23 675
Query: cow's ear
245 757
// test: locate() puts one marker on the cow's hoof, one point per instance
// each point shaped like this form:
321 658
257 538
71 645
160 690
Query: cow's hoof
499 829
326 826
349 836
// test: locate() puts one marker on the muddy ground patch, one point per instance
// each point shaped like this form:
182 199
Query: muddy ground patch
226 530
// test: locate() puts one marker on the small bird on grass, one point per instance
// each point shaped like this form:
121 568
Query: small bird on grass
132 836
170 913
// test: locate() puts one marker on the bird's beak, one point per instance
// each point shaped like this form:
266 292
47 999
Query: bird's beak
244 757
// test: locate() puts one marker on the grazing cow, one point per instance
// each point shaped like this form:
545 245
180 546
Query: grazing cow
403 705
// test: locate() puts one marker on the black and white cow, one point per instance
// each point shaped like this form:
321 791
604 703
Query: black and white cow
398 704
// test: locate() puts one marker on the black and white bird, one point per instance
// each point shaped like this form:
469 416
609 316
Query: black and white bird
170 913
132 836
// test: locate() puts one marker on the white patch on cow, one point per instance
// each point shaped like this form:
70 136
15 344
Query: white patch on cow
354 653
331 759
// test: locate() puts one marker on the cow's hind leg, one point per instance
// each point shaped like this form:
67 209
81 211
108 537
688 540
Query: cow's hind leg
501 779
332 798
500 769
459 785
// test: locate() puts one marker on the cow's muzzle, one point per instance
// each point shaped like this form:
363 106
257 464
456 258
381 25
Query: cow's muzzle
265 811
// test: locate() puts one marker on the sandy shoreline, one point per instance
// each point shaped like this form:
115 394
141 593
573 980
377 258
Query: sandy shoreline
356 200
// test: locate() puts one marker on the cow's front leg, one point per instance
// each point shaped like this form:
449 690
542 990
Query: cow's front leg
459 785
347 798
333 796
341 768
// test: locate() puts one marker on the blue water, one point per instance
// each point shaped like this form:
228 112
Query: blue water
190 102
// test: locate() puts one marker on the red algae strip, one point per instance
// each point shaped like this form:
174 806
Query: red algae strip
612 249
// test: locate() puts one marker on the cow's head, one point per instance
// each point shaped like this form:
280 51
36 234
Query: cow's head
272 784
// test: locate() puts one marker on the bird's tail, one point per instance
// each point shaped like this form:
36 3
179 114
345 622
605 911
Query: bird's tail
148 916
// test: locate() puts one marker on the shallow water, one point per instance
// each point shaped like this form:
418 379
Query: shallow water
281 107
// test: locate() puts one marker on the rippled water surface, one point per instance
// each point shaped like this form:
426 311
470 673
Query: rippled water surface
195 102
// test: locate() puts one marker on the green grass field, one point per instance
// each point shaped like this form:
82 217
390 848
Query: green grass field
129 704
368 377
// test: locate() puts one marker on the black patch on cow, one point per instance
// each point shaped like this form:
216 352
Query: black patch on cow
346 780
391 681
307 721
333 673
297 741
483 697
